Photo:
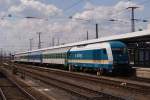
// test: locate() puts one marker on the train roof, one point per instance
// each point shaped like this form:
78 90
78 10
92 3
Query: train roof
126 36
103 45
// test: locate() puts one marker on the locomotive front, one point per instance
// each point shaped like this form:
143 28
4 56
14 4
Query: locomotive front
120 58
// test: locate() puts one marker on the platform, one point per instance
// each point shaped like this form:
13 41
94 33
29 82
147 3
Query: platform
142 72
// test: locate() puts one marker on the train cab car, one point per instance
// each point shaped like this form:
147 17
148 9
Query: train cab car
95 56
120 57
107 56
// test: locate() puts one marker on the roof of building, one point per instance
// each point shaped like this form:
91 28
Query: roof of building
134 36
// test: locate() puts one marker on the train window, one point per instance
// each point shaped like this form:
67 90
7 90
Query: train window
104 51
119 50
56 55
53 55
65 55
74 55
60 55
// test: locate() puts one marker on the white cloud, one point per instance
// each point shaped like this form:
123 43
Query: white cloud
34 8
105 12
102 15
16 32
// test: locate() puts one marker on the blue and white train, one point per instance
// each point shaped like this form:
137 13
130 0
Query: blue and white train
105 57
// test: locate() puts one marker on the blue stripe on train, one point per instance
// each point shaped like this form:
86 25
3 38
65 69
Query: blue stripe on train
98 54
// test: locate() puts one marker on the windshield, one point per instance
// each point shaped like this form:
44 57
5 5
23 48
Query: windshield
120 55
121 51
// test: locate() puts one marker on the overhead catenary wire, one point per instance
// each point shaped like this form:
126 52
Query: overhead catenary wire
73 5
124 10
144 2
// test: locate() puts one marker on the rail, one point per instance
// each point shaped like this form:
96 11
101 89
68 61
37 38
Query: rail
2 95
86 79
25 88
23 91
124 83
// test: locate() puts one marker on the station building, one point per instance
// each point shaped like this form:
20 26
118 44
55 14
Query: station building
139 47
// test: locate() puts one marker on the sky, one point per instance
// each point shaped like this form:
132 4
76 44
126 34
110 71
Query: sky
65 21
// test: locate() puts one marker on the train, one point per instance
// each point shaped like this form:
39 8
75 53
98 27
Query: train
104 57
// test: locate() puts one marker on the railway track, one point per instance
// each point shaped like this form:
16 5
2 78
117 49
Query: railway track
99 86
74 89
3 97
83 92
124 83
10 90
18 89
